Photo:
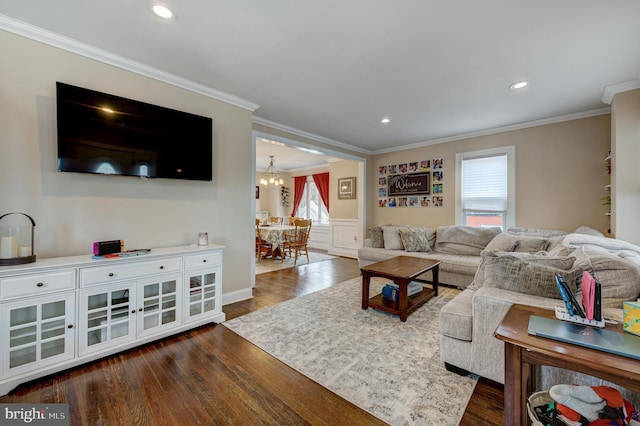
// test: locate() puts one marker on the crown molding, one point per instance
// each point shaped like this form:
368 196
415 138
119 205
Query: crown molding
318 138
509 128
70 45
614 89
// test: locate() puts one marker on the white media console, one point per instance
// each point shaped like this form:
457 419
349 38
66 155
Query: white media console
62 312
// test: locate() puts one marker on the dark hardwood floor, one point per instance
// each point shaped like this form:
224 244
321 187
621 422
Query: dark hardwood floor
211 376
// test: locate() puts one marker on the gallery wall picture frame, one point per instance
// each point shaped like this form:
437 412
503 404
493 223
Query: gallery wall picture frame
257 192
347 188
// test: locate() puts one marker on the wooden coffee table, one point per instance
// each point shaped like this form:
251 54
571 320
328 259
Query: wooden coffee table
401 270
523 352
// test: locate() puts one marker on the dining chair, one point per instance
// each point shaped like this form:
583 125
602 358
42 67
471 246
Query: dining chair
276 220
296 242
262 246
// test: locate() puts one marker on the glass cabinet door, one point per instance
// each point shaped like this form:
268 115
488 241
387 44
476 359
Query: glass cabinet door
158 304
39 333
202 297
106 315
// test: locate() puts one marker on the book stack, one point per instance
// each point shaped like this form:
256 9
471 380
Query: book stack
391 291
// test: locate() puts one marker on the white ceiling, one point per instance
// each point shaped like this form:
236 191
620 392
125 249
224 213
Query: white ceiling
334 68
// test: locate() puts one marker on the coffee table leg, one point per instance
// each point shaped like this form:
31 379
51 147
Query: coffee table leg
404 299
435 275
365 289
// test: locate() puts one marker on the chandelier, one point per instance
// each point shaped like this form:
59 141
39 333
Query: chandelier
271 175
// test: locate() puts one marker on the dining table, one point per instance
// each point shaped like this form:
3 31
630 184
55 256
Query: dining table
274 235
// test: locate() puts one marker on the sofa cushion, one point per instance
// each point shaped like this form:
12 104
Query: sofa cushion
537 232
415 239
464 240
391 238
534 275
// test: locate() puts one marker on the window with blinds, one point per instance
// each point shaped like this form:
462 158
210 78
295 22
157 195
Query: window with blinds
484 190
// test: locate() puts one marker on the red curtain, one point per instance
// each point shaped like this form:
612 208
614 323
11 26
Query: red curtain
298 190
322 183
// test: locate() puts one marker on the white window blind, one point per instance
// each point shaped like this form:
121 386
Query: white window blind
484 184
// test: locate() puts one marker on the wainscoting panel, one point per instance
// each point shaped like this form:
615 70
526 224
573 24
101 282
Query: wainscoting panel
319 237
346 237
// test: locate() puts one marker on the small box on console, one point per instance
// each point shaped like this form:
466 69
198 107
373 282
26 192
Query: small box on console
100 248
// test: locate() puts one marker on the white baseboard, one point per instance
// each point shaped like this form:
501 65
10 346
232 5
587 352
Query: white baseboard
237 296
336 251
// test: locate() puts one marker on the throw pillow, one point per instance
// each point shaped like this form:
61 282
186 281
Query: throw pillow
503 242
527 275
415 239
589 231
376 237
618 273
528 244
391 238
561 261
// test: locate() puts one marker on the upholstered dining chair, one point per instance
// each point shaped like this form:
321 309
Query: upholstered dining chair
297 241
262 246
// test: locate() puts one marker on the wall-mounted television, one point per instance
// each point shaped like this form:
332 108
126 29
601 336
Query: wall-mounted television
107 134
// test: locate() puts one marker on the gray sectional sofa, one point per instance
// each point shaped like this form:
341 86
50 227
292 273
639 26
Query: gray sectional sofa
457 247
514 267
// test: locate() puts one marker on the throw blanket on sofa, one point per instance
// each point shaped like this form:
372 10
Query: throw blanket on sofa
611 245
464 240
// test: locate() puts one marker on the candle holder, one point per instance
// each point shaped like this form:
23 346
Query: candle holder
16 239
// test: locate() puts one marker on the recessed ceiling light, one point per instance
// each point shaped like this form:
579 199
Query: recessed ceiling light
162 11
385 120
518 85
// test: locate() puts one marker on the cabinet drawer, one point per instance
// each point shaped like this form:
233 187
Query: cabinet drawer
113 273
204 259
37 284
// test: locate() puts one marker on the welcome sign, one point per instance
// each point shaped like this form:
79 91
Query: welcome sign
409 184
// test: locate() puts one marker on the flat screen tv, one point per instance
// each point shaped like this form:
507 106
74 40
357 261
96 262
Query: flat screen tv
107 134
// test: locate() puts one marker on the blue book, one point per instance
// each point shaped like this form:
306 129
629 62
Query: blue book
390 292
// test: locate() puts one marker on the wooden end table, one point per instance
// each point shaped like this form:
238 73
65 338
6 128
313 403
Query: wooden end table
401 270
523 351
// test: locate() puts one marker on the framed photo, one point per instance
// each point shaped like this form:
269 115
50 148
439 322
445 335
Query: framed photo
257 192
347 188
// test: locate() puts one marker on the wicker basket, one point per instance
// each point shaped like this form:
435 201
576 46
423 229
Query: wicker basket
536 399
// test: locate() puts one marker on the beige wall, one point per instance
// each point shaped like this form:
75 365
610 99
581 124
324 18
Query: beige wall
625 167
73 210
342 209
560 176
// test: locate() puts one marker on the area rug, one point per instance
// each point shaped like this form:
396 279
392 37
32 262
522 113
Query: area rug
269 265
388 368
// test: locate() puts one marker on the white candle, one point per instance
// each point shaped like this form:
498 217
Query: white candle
24 251
8 247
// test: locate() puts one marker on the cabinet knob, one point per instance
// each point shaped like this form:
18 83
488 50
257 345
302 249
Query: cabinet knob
161 267
140 310
133 312
204 260
70 326
111 274
40 285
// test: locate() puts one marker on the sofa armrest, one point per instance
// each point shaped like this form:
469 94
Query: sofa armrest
367 243
490 305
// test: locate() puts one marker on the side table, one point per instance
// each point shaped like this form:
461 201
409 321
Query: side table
523 352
